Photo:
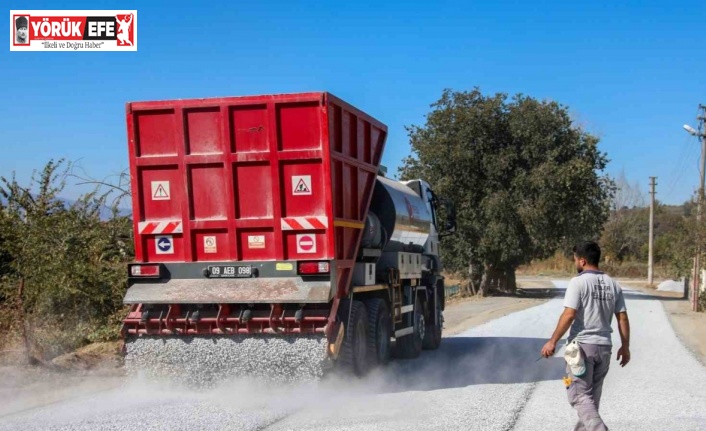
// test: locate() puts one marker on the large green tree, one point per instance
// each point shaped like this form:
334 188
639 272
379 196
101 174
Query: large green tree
524 178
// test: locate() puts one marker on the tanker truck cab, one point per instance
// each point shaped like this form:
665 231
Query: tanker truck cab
403 231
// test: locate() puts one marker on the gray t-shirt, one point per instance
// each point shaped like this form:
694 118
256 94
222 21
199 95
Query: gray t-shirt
596 298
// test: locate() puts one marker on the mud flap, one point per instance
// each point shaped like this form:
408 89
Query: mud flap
335 343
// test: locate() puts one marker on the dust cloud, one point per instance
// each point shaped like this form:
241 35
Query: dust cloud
253 404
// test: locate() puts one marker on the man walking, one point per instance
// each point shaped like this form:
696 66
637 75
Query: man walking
590 302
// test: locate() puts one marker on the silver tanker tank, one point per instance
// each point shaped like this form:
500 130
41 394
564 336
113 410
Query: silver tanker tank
398 219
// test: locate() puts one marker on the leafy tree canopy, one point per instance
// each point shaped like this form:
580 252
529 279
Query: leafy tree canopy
524 178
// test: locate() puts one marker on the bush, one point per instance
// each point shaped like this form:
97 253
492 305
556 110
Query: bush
64 274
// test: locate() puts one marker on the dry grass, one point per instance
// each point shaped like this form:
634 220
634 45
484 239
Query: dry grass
560 265
557 265
452 279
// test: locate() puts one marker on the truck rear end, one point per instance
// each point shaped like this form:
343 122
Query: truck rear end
248 217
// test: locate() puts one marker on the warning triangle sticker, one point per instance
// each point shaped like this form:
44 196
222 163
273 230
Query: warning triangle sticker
161 193
301 188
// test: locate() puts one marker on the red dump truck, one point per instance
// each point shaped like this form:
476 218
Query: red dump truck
268 216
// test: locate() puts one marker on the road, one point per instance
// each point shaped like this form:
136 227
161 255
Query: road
485 378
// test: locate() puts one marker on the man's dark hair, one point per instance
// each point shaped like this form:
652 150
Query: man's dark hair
588 250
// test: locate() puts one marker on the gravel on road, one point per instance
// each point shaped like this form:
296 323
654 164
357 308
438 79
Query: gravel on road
207 360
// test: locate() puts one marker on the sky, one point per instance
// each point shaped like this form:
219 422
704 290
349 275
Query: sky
631 72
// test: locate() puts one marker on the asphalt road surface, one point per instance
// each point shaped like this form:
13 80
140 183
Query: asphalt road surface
486 378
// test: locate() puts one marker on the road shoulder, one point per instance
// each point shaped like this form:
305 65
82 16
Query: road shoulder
689 326
465 313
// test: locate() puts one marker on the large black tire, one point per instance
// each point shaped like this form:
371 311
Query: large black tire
379 332
435 324
353 356
410 346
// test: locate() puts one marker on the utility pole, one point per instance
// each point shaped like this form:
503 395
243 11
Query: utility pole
699 205
697 281
650 264
701 134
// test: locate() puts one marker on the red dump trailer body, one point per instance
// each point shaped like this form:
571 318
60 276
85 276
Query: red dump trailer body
271 181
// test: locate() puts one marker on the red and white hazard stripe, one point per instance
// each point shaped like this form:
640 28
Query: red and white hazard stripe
160 227
304 223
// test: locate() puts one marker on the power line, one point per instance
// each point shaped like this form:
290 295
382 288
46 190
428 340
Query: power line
678 170
682 168
687 153
684 156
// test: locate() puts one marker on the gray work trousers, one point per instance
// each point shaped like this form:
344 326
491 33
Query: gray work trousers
585 392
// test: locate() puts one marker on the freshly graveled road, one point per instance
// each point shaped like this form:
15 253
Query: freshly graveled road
486 378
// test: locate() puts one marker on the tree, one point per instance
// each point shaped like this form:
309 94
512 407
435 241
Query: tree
625 235
626 195
524 179
676 248
63 266
112 188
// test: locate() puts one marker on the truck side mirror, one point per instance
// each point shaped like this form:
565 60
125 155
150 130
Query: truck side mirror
450 227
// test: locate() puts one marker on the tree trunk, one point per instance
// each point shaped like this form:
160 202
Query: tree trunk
498 280
469 289
490 280
23 322
509 284
485 283
475 277
502 282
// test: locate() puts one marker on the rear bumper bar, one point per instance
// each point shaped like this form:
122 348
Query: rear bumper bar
230 291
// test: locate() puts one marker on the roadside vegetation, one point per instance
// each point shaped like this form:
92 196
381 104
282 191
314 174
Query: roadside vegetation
625 239
62 266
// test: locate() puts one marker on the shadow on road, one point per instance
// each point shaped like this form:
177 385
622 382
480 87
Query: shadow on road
465 361
541 292
629 294
646 296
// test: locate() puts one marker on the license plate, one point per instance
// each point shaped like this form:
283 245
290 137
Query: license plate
229 271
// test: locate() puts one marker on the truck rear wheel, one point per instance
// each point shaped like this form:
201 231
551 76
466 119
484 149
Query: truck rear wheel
353 356
410 346
435 324
378 332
